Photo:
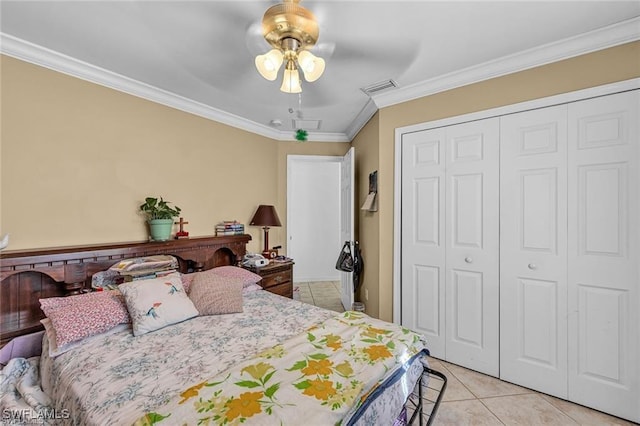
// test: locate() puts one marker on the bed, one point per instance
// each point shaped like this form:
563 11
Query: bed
290 360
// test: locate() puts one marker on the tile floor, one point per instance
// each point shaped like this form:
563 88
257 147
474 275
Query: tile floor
473 398
325 294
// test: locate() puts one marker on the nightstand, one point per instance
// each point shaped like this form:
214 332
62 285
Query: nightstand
276 278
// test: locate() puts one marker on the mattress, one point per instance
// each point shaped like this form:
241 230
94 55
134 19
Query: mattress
116 378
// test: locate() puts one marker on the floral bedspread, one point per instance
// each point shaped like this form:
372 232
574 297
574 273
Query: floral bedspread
322 376
117 378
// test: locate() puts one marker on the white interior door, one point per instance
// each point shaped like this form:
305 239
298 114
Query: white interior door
533 249
347 203
423 236
313 216
604 254
472 203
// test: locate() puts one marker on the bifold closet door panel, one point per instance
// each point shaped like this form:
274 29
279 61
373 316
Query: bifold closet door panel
604 254
533 249
472 273
423 236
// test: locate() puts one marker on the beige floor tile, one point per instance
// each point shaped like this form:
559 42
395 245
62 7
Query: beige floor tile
531 409
460 413
584 415
484 386
308 300
455 390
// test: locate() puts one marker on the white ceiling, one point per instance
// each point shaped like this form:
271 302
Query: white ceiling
198 55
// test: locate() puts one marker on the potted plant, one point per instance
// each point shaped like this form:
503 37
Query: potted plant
159 217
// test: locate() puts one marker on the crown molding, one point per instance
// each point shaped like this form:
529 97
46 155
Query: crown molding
610 36
361 119
38 55
602 38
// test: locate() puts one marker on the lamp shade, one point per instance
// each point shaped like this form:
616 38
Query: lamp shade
269 64
291 80
311 65
265 216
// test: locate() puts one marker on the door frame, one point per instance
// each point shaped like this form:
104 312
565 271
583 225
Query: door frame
563 98
291 159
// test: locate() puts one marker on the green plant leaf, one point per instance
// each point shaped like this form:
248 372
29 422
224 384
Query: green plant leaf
318 356
298 366
248 384
272 390
302 385
268 376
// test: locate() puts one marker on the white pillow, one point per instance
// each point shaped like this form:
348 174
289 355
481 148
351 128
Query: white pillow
157 303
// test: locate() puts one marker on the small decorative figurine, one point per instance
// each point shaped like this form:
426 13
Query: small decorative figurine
181 234
301 135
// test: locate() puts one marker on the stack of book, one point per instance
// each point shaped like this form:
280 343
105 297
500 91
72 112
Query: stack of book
229 227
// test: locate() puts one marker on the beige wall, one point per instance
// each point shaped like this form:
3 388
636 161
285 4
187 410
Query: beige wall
607 66
368 223
76 160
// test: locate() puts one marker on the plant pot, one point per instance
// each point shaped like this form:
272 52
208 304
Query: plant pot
160 229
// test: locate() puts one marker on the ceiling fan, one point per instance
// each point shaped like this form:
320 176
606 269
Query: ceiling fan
291 30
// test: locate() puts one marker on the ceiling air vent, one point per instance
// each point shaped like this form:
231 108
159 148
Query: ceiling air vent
306 124
379 87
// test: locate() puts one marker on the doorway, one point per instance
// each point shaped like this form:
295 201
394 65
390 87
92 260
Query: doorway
319 217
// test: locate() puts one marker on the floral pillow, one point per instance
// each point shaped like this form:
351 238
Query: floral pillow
247 277
213 294
77 317
55 350
157 303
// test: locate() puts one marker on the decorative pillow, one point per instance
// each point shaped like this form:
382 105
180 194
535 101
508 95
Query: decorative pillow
247 277
251 287
77 317
55 350
213 294
157 303
187 279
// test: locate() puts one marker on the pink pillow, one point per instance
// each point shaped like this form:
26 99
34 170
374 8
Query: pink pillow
213 294
77 317
247 277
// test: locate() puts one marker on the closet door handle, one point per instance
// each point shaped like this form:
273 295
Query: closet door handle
532 266
468 260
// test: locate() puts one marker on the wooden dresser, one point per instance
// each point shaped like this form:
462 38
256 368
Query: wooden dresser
276 278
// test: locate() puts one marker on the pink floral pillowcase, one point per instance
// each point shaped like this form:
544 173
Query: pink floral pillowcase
77 317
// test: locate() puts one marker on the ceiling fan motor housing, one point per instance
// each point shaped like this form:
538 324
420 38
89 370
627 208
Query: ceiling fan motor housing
290 20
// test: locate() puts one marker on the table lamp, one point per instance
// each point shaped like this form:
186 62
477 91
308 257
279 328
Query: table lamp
265 216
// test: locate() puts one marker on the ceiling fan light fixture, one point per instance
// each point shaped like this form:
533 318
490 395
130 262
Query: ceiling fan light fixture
311 65
269 64
291 80
290 29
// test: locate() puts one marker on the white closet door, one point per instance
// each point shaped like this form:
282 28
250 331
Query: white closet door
472 302
423 238
604 254
533 250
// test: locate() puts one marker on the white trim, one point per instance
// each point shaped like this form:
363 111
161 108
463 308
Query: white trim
397 240
612 35
602 38
568 97
362 119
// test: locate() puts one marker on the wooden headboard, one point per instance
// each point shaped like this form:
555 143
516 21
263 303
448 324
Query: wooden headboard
27 276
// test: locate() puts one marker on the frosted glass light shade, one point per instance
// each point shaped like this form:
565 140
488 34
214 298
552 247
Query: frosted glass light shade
312 66
291 81
269 64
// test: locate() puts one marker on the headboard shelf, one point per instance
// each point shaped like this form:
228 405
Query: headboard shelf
28 275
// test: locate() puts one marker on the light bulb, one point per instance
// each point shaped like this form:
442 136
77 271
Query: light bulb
291 80
269 64
312 66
